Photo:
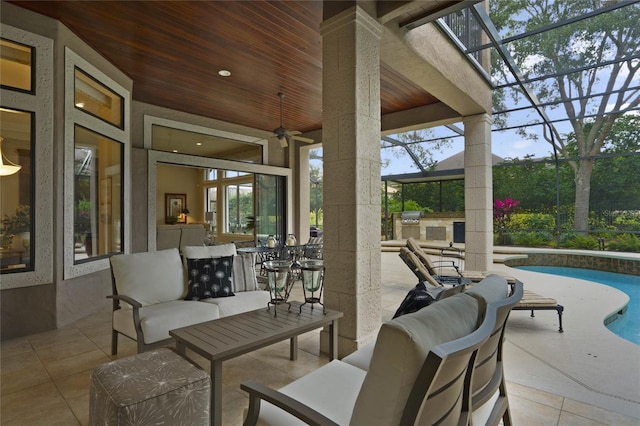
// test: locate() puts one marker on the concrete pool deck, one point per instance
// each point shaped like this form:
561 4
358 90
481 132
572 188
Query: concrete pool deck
587 363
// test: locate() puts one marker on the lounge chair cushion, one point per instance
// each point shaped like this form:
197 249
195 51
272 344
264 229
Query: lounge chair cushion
162 279
418 266
401 347
415 248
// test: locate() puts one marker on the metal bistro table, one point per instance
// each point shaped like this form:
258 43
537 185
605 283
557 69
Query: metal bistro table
229 337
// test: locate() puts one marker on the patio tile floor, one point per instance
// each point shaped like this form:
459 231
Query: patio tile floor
585 375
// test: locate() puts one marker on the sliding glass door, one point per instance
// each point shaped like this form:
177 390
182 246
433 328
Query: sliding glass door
270 207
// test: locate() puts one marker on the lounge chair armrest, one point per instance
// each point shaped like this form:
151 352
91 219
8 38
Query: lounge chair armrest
258 392
445 262
126 299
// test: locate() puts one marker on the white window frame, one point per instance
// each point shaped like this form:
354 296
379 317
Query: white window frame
74 116
40 103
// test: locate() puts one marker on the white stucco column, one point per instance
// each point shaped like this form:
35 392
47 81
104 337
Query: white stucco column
351 150
478 193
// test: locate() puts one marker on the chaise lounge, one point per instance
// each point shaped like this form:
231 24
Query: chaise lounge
421 265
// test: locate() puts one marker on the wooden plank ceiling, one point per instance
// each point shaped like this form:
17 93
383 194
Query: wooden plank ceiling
173 51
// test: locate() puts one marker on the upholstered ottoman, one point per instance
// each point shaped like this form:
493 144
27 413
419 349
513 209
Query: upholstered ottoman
156 387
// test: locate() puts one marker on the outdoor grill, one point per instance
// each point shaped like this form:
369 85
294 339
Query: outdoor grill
410 217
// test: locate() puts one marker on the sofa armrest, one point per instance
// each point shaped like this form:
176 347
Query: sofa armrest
127 299
136 315
258 392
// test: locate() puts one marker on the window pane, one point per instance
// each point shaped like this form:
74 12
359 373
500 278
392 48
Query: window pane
170 139
16 70
212 208
97 196
16 187
97 100
211 174
239 206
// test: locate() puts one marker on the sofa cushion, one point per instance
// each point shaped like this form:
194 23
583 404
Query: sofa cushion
362 357
330 390
400 350
209 277
150 277
157 320
242 302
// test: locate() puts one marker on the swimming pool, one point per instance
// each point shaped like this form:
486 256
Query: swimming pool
626 325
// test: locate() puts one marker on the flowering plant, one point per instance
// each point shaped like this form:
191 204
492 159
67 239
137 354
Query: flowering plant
502 211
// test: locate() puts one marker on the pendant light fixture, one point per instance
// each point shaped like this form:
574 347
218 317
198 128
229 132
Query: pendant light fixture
7 167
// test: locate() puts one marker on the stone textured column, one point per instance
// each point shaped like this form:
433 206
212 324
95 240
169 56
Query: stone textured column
478 193
351 150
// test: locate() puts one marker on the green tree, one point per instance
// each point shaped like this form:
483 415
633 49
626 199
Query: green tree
315 192
576 46
417 144
615 182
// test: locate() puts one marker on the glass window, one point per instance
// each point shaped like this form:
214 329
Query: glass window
16 66
239 207
234 173
211 209
170 139
211 174
95 99
16 189
97 195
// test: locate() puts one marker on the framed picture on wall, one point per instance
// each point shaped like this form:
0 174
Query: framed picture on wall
175 204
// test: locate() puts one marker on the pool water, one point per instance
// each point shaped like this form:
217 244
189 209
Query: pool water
626 325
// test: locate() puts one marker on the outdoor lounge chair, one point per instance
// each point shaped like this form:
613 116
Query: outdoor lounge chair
533 301
446 271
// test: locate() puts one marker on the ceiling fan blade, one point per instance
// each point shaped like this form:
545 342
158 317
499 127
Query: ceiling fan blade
283 141
302 139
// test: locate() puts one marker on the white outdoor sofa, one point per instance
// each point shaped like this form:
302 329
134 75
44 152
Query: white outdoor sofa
149 290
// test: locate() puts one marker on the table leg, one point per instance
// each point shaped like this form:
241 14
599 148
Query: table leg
293 348
333 340
215 410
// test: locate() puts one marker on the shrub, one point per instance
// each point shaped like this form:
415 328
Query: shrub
532 221
625 242
580 241
532 239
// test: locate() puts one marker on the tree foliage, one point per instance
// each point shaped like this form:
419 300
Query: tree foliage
417 146
571 54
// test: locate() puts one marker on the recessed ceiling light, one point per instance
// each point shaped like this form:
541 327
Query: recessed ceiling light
224 73
175 150
80 104
198 143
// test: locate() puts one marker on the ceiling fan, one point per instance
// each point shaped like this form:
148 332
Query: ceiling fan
285 136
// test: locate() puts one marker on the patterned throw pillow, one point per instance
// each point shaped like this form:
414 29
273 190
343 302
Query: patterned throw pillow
209 277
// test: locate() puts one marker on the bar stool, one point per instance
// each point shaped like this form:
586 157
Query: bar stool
312 281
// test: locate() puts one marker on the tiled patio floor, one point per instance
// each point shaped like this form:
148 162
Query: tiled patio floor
585 375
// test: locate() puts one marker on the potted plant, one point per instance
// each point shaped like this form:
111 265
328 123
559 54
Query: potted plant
172 220
16 224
